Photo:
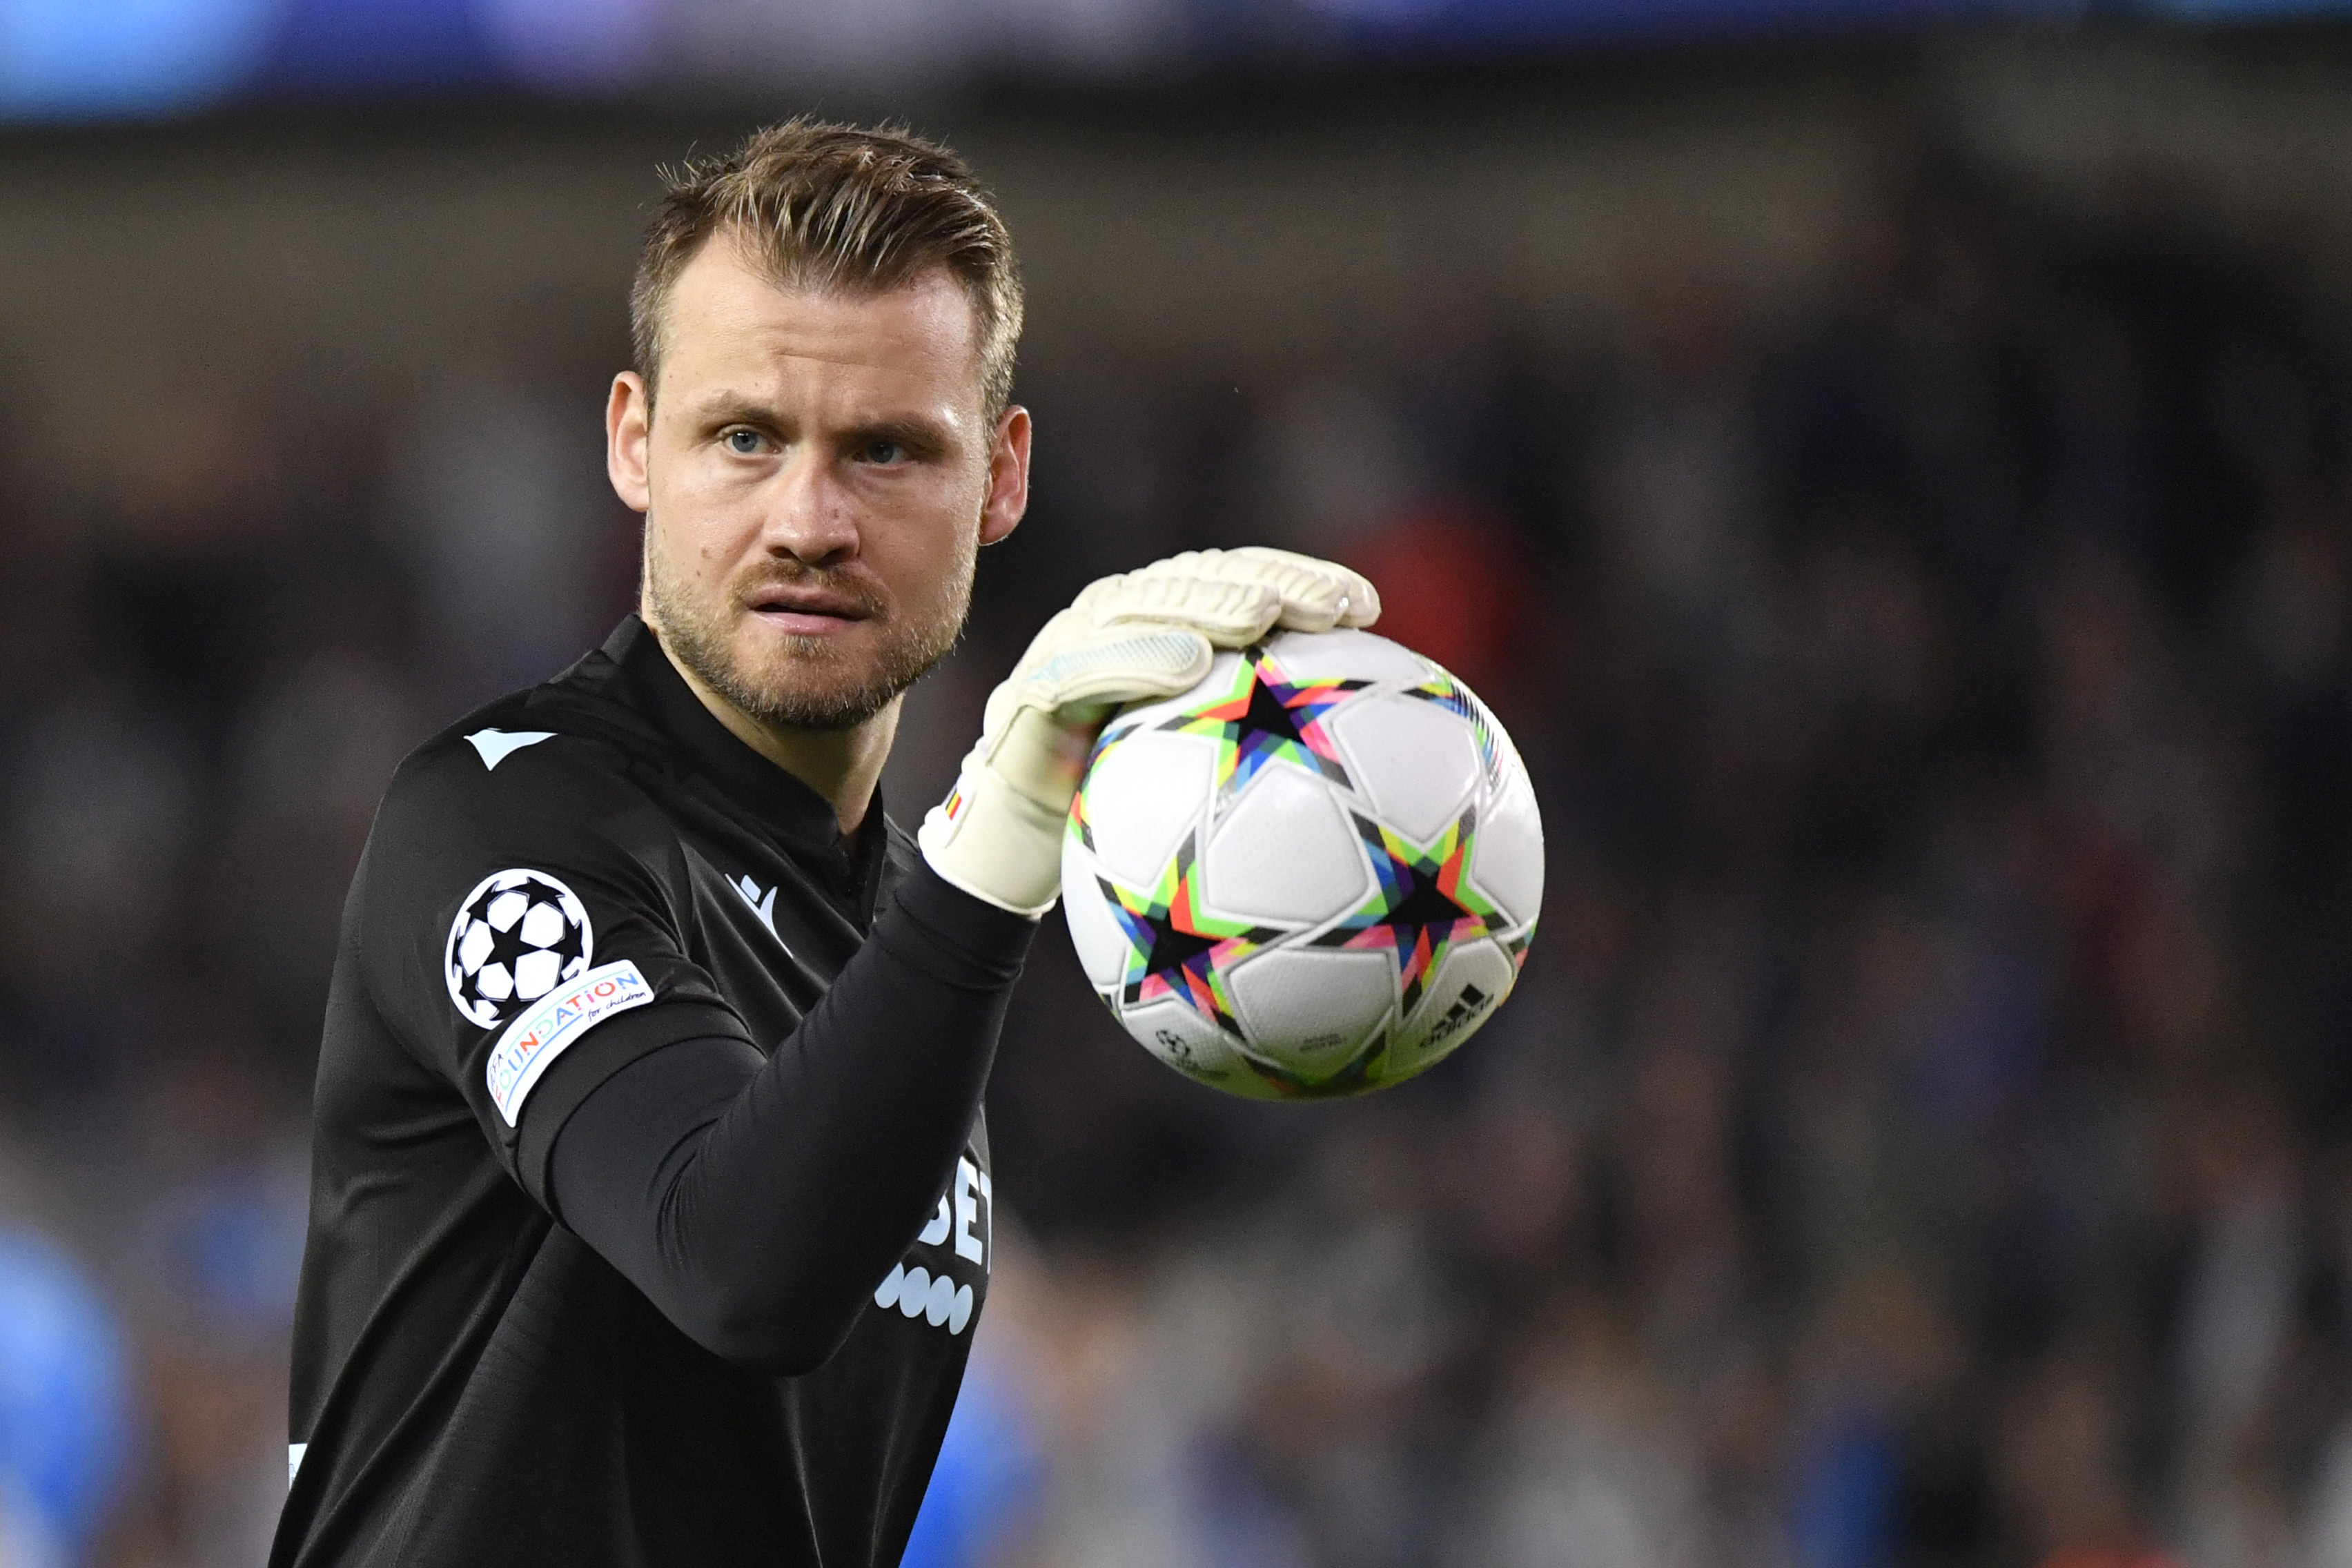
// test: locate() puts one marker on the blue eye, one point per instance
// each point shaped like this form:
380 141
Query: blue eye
885 452
743 443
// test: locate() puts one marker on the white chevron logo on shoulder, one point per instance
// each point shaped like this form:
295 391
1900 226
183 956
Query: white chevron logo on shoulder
498 745
764 906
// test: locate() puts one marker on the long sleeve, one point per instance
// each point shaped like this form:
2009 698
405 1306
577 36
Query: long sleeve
757 1202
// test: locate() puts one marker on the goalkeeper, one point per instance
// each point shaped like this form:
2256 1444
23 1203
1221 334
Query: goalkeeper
651 1203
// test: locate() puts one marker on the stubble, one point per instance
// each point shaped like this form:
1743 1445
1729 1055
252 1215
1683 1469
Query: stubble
806 682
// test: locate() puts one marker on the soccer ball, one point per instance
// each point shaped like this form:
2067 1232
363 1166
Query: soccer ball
518 936
1314 874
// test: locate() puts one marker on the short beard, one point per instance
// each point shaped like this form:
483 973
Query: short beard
784 698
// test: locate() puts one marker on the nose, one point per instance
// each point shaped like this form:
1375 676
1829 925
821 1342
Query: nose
809 514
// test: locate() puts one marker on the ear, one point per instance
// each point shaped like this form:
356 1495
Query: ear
1008 477
628 424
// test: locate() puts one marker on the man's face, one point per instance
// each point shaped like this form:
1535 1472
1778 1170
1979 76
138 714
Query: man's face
817 475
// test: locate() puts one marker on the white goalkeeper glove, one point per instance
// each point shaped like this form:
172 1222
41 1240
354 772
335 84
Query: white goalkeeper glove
1139 635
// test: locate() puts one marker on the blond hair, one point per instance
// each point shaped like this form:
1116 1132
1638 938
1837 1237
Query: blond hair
837 207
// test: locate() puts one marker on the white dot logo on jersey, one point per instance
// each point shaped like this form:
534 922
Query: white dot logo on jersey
966 1211
518 936
918 1293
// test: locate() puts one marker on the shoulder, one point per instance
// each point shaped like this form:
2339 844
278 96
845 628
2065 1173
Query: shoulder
570 750
516 797
525 780
511 757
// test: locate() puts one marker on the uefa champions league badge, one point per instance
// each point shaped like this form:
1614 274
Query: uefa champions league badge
519 935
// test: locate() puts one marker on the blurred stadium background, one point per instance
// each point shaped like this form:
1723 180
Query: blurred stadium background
1888 461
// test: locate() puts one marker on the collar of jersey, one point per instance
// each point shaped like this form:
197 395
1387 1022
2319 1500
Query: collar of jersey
798 814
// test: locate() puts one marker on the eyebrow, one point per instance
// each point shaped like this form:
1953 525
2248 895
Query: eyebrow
922 436
731 408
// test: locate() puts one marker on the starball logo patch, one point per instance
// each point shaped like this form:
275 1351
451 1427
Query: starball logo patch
519 935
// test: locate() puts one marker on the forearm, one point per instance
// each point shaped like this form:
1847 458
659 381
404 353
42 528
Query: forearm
757 1204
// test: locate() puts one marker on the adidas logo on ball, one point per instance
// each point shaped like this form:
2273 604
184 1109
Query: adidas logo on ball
1462 1014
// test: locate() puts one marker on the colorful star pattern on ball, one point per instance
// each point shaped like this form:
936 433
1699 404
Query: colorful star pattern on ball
1266 717
1449 694
1176 948
1423 905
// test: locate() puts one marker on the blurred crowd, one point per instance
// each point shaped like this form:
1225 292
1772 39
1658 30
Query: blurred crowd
1923 1132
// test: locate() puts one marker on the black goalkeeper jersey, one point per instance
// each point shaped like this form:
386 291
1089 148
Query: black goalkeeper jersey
555 889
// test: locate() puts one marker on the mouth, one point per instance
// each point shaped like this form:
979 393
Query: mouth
807 611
